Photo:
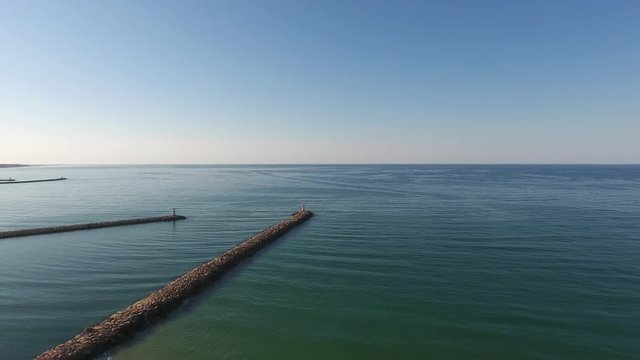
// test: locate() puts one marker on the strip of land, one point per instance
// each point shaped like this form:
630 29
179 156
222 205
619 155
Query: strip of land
120 326
13 181
88 226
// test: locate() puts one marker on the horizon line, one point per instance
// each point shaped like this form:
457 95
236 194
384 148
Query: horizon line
322 164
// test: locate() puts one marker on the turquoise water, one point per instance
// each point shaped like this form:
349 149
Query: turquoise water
405 262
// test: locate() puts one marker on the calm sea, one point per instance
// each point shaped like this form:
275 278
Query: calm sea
402 262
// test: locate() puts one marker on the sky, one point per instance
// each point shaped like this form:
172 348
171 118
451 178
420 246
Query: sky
137 82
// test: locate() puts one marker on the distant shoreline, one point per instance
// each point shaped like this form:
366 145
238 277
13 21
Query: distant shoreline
328 164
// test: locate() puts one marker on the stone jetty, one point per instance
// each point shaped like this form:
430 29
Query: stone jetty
120 326
14 181
96 225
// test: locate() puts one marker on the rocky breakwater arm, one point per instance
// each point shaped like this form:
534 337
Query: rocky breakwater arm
89 226
123 324
14 181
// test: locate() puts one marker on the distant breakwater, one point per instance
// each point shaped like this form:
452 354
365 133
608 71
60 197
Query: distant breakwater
88 226
13 181
120 326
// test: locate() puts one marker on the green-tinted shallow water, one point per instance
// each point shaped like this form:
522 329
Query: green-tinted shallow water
402 262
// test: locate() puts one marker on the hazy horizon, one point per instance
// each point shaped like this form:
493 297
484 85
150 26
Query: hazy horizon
288 82
325 164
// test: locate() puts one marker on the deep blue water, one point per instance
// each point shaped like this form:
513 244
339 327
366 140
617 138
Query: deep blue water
400 261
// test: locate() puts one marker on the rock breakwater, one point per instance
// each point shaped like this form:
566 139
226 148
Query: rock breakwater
88 226
14 181
124 324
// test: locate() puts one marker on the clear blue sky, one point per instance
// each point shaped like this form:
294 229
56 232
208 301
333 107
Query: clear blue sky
320 81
